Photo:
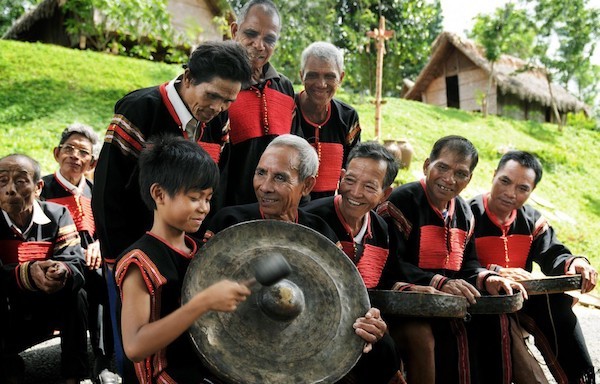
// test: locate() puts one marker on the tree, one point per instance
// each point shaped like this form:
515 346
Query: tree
10 10
571 26
508 30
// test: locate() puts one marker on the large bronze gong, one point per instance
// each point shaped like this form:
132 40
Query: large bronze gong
298 330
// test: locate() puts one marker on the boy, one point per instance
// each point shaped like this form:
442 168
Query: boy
68 186
177 179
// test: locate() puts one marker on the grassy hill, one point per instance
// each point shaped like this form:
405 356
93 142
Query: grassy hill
44 88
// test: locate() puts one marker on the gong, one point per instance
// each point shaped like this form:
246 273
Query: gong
298 330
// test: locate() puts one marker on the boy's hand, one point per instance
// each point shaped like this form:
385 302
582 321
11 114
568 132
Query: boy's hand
225 295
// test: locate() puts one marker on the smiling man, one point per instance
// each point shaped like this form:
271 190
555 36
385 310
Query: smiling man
330 125
264 108
430 229
284 174
509 237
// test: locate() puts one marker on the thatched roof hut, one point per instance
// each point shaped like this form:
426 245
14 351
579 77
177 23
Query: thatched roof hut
45 22
514 82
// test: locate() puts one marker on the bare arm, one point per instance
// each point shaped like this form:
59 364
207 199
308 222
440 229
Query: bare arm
142 338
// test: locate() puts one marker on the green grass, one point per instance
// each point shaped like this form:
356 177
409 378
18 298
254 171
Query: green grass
44 88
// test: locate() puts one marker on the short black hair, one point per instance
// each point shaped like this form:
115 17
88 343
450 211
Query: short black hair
225 59
177 165
526 159
35 165
456 144
374 150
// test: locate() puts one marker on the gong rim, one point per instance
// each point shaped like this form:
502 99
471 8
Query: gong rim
334 296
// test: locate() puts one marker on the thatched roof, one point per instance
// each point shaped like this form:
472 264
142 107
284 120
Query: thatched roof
43 10
46 9
509 74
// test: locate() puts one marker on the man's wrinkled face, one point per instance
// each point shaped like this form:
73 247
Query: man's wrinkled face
446 177
361 187
277 184
321 79
206 100
511 187
18 190
258 34
75 157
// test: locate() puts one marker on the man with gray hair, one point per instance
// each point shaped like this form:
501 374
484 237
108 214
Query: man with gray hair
264 109
329 125
286 172
76 155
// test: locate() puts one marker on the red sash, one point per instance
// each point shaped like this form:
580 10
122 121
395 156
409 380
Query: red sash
370 266
80 208
213 150
441 248
255 114
331 156
19 251
508 252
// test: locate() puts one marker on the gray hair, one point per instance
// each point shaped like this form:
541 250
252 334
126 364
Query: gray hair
324 51
268 5
83 130
308 160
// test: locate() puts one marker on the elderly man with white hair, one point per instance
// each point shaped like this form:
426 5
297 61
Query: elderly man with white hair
285 173
330 125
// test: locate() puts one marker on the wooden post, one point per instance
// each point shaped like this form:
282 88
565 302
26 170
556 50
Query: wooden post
380 34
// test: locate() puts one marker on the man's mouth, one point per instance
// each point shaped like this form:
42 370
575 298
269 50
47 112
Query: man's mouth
444 188
354 202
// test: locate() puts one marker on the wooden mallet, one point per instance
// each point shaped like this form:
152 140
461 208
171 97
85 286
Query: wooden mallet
269 269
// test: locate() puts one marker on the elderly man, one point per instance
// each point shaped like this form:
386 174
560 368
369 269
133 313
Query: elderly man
76 156
330 125
509 237
193 105
263 109
42 262
430 228
285 173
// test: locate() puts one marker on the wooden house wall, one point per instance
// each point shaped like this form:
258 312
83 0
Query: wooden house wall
188 15
472 82
513 106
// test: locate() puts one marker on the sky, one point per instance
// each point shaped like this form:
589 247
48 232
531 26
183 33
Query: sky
458 15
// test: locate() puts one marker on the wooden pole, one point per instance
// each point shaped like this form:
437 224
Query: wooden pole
380 34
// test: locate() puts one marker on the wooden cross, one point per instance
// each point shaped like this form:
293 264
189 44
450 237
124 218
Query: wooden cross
380 34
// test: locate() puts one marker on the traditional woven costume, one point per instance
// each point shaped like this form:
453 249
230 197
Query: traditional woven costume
524 239
78 200
258 115
121 215
369 253
163 268
333 139
28 315
428 247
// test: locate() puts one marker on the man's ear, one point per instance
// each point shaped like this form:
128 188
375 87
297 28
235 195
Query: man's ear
39 185
92 165
56 151
342 76
426 166
234 29
158 194
386 193
309 184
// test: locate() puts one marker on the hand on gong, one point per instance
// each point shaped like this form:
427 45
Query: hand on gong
370 328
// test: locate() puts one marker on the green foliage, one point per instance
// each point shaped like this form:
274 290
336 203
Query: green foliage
10 10
345 23
138 28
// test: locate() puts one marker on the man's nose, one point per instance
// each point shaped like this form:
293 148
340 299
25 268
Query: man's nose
258 43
